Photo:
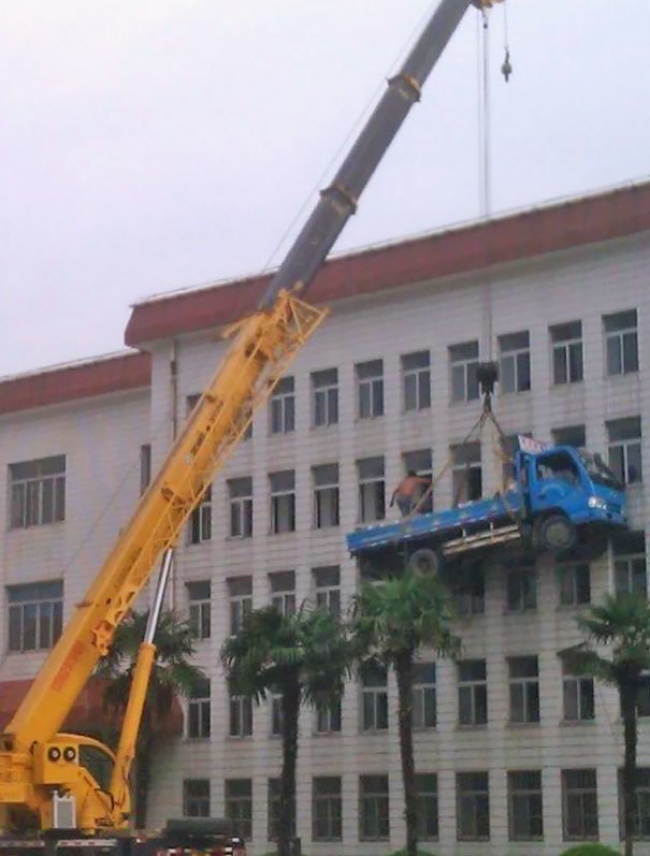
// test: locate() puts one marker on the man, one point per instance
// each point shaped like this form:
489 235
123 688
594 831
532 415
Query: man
406 492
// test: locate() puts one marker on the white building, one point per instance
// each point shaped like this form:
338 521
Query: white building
509 749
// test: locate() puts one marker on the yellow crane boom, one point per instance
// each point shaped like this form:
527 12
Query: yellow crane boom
35 760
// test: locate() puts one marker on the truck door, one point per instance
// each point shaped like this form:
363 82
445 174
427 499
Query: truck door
555 482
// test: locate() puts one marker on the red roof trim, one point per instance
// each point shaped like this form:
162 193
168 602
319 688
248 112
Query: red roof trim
589 220
69 383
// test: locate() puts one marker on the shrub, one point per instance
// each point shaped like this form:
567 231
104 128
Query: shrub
591 850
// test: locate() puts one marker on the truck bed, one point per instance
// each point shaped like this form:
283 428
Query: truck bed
467 519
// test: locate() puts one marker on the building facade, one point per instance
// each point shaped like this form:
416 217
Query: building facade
513 756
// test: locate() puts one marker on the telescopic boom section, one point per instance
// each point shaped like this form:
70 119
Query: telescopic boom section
262 348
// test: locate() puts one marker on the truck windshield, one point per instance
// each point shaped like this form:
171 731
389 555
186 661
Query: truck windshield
598 471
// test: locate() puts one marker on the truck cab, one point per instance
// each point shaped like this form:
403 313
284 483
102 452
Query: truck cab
562 489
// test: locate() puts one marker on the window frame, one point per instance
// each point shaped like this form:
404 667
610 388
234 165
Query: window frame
628 471
618 337
283 503
201 801
371 491
240 717
282 407
37 492
470 687
374 807
326 496
473 794
199 607
527 793
240 602
240 506
567 339
325 397
29 602
527 687
416 381
512 350
331 800
327 588
521 590
463 360
199 525
374 699
424 713
369 378
199 712
238 808
570 814
569 584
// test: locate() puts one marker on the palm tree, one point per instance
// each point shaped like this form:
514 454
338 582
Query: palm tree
173 674
623 624
304 657
391 621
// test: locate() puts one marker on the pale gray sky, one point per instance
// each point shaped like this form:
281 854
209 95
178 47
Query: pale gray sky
148 145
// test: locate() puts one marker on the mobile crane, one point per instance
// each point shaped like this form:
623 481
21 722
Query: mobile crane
41 771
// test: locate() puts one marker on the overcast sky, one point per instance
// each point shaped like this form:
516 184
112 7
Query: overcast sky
150 145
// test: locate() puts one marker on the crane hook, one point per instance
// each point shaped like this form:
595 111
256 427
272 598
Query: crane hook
506 68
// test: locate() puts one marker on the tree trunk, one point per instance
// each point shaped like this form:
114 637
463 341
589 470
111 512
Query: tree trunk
628 694
404 674
290 711
142 779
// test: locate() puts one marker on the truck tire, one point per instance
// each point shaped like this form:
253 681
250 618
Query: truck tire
425 561
555 533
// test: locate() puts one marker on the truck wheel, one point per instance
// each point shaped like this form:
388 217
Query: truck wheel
425 561
555 533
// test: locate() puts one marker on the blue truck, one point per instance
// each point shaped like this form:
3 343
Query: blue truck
558 496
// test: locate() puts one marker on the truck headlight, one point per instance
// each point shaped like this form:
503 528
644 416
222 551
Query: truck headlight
597 502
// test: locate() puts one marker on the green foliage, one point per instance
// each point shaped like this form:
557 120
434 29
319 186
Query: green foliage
309 648
402 614
590 850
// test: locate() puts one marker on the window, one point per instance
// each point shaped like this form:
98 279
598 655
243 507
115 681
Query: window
370 389
420 461
145 467
621 342
642 813
37 492
35 615
575 584
372 490
416 377
326 809
240 492
200 525
472 692
274 810
424 695
326 495
571 435
325 391
374 808
241 716
283 407
283 591
240 591
327 581
283 502
577 696
525 813
198 711
521 590
567 352
472 806
463 365
468 591
514 360
579 805
630 564
625 449
328 719
374 698
524 689
427 791
196 798
239 807
466 479
198 596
